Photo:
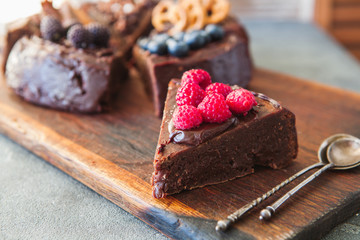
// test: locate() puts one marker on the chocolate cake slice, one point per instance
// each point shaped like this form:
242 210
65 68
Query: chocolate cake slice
218 152
61 76
227 60
65 59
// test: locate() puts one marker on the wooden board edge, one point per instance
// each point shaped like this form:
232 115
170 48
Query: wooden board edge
327 222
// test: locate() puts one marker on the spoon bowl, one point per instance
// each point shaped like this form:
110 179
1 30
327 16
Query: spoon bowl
344 153
322 152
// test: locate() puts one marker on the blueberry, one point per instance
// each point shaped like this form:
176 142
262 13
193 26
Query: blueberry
79 36
194 39
143 42
51 29
206 36
179 36
161 38
216 32
156 47
99 34
177 48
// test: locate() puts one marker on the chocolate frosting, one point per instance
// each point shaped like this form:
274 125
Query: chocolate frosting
200 134
207 131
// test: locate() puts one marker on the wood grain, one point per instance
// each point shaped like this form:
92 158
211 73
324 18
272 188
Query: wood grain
348 35
112 154
347 13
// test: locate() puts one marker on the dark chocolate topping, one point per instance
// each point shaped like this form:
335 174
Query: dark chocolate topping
200 134
261 96
207 131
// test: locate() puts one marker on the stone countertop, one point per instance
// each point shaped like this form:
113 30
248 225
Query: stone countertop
38 201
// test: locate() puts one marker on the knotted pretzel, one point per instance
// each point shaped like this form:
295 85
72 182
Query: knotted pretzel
167 16
196 14
188 14
216 10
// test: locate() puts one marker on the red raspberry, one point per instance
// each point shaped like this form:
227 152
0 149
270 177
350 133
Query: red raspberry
190 94
186 117
220 88
240 101
197 76
214 108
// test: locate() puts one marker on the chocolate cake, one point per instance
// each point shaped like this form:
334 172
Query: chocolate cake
218 152
61 76
192 34
53 73
227 60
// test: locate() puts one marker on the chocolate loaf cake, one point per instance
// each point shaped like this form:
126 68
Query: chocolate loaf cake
218 152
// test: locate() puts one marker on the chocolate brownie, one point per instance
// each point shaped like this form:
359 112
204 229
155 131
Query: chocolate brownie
218 152
61 76
227 60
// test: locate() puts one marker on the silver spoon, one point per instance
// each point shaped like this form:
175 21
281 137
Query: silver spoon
224 224
342 154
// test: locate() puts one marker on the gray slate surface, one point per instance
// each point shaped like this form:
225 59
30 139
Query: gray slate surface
37 201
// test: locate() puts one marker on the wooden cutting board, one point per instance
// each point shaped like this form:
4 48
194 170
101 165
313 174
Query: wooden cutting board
112 154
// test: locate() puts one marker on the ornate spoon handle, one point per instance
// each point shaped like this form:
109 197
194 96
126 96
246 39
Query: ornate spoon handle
270 210
224 224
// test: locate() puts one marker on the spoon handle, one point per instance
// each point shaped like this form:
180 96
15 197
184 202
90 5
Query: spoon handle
270 210
224 224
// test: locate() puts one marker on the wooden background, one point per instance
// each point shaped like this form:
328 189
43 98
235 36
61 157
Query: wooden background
341 18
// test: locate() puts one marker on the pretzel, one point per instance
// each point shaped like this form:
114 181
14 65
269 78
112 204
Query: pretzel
168 16
196 14
217 10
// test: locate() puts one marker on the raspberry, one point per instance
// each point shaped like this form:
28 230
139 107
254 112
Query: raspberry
197 76
190 94
100 34
220 88
214 108
241 101
78 36
51 29
186 117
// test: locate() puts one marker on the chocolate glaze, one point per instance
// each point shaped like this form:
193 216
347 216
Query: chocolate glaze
207 131
200 134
